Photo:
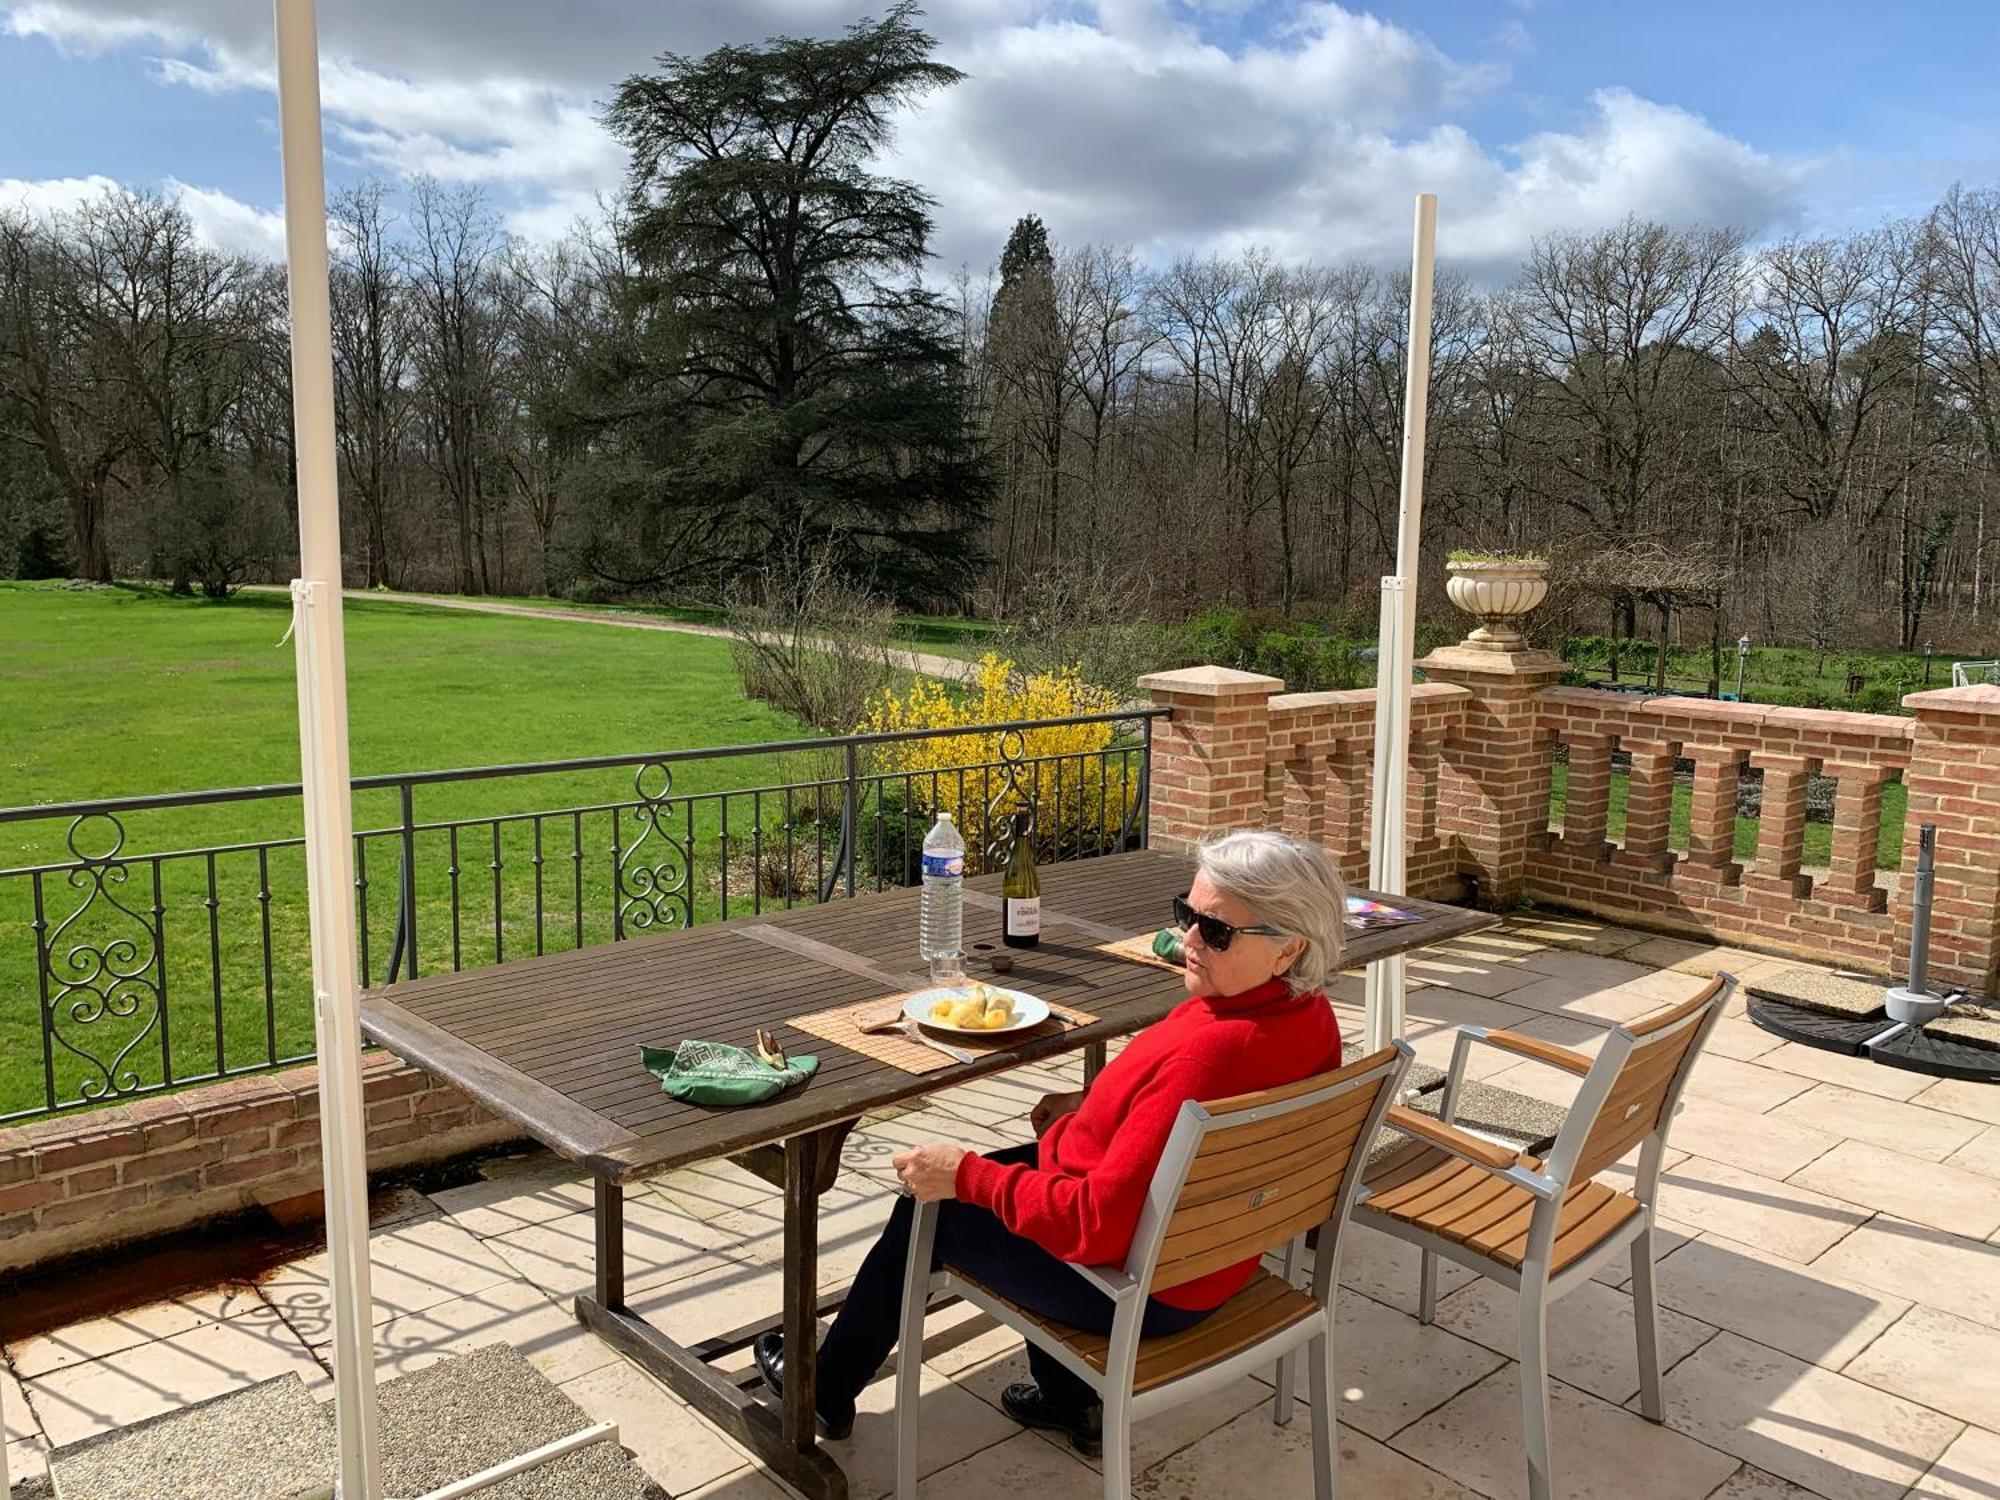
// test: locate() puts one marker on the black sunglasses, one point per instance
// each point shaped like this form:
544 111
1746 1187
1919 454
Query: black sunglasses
1215 932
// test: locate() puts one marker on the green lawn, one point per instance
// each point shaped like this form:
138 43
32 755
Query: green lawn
939 635
1888 848
126 692
1789 675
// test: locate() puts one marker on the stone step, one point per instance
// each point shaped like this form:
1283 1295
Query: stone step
460 1416
273 1441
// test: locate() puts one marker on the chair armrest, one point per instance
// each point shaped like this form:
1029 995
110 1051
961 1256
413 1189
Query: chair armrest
1533 1046
1110 1280
1450 1138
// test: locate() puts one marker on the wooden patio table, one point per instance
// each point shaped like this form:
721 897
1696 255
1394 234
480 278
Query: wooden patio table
552 1044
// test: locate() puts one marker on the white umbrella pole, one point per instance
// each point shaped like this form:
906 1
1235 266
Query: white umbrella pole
329 812
1388 857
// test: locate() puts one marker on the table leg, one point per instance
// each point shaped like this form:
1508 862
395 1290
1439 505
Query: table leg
1093 1062
786 1440
610 1243
801 1289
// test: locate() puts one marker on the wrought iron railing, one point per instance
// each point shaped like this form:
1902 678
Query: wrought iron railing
164 943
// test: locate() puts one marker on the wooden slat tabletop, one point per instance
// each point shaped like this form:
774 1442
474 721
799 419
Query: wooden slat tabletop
552 1043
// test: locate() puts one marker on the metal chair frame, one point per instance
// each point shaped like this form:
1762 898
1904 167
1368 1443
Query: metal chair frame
1129 1286
1536 1286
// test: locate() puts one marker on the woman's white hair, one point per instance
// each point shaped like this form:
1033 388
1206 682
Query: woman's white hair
1291 885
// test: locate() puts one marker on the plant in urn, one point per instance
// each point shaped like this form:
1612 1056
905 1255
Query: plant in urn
1497 588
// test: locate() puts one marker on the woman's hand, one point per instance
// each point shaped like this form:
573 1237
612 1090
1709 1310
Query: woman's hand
930 1172
1052 1108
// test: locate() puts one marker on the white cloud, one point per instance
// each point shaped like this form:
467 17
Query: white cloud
86 30
231 225
1116 120
220 221
38 198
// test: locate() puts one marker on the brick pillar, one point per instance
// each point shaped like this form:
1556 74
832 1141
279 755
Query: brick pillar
1711 855
1954 782
1497 763
1349 807
1587 797
1781 828
1305 795
1209 758
1649 804
1857 833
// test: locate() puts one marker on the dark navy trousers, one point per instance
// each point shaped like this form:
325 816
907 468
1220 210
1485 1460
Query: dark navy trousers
974 1241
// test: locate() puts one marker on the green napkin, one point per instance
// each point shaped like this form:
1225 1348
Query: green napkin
716 1073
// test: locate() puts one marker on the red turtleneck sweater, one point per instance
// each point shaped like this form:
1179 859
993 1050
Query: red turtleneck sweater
1082 1200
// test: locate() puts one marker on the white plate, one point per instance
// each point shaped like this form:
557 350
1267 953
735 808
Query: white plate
1028 1011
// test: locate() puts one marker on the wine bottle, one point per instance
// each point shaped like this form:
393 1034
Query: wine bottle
1021 891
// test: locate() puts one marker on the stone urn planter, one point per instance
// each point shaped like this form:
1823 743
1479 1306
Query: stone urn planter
1498 591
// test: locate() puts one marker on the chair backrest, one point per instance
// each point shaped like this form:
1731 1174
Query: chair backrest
1247 1174
1629 1095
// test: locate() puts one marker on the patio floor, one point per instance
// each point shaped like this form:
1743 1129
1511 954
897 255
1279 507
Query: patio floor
1831 1290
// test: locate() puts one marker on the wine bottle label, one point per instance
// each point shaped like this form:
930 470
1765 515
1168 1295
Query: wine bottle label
1024 915
943 864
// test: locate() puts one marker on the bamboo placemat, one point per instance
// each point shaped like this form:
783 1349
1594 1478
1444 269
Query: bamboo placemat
1139 950
842 1025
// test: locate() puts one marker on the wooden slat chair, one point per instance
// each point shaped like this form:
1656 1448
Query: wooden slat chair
1240 1177
1544 1226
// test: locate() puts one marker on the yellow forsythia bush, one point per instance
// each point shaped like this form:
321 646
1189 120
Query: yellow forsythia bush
1064 764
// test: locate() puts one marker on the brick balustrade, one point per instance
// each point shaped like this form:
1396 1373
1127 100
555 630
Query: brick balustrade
86 1181
1240 752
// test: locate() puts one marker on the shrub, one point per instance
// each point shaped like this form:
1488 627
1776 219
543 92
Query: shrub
1072 809
811 645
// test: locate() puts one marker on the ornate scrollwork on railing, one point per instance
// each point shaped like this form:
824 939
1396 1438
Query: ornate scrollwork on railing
655 889
1011 798
98 979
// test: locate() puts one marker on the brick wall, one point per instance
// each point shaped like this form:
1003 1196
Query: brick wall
1239 752
86 1181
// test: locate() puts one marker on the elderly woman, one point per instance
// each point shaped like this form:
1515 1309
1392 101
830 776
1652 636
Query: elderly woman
1262 928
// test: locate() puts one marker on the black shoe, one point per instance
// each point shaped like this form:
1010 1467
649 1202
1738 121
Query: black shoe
1082 1425
769 1352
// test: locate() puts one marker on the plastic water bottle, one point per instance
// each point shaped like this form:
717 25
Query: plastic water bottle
941 937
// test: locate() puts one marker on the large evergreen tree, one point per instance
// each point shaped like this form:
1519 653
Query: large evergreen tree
794 390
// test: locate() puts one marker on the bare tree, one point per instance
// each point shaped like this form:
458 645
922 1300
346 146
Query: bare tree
372 333
456 246
55 385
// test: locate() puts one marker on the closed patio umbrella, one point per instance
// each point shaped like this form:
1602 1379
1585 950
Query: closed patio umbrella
320 649
1389 847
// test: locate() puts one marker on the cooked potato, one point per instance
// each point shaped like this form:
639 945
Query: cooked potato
942 1011
999 1015
980 993
969 1014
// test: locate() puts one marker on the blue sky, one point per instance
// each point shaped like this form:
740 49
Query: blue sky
1170 125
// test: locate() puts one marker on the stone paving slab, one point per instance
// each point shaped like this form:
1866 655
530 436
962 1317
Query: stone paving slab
1855 1288
1817 990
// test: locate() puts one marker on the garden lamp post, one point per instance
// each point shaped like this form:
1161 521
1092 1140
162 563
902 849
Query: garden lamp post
1927 663
1742 660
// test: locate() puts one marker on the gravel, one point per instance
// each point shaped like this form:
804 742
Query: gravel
270 1442
459 1416
274 1442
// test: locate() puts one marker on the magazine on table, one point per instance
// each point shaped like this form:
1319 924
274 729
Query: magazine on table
1367 915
